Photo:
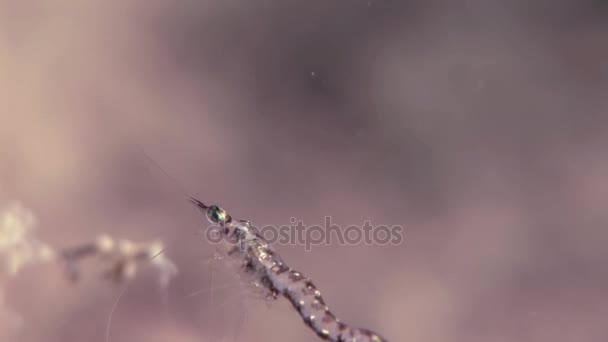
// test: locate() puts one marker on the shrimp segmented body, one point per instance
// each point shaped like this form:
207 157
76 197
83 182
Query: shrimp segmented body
259 258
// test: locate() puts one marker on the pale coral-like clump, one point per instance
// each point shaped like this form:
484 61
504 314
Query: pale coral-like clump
119 259
18 248
125 256
18 245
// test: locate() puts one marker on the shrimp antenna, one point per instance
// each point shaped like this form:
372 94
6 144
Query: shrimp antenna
190 198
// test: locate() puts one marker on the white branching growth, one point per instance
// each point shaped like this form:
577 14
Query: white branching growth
18 246
119 259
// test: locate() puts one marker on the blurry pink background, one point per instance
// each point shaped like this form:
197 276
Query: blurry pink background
480 126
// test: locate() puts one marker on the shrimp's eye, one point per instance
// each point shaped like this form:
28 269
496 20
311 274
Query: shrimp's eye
216 214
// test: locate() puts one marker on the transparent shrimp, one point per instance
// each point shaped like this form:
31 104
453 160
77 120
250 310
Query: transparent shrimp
263 268
259 259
